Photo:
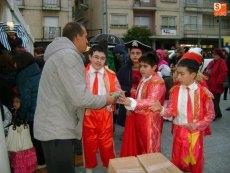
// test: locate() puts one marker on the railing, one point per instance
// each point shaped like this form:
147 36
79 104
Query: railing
205 30
79 14
168 0
51 32
144 3
51 4
202 4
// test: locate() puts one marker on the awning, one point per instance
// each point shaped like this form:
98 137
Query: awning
18 29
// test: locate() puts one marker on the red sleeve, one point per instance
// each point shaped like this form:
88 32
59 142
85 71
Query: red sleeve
209 113
155 93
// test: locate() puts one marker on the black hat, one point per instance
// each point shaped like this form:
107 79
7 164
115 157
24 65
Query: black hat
138 44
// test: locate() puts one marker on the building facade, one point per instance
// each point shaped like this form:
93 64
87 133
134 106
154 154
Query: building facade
46 18
172 22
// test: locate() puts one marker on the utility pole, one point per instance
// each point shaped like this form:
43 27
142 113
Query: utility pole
220 9
105 17
219 34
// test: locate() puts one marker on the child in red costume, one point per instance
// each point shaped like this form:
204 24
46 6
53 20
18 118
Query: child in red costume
195 54
98 123
191 107
142 133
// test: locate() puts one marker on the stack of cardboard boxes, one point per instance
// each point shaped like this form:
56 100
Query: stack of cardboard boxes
146 163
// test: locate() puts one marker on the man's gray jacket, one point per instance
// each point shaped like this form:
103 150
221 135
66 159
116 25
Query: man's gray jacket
62 94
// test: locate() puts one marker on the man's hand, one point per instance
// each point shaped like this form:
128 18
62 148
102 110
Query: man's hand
156 106
110 99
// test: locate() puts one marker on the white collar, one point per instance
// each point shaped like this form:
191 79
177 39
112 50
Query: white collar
93 70
146 79
192 86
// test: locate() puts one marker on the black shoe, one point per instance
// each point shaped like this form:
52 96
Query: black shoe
227 109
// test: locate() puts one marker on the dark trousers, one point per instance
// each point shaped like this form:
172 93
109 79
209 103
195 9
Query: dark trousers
216 102
78 147
226 88
225 93
59 155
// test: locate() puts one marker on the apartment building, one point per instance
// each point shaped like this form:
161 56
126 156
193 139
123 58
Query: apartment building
172 22
46 18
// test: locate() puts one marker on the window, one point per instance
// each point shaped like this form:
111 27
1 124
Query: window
119 20
209 22
141 21
51 3
225 24
168 22
190 22
51 29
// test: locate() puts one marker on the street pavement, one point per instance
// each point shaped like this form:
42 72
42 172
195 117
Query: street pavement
217 146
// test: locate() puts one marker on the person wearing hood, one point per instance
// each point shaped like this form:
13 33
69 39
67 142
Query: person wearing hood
162 66
164 71
63 97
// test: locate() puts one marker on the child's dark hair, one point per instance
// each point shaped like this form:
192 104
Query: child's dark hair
23 59
98 48
191 65
150 58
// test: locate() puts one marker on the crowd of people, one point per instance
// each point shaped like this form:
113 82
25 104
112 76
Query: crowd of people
19 81
71 95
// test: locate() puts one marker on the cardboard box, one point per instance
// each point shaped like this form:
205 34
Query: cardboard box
125 165
157 163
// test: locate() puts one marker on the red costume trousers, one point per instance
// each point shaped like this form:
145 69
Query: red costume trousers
186 155
98 135
148 132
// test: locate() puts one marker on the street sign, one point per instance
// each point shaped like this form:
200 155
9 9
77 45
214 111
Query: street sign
220 9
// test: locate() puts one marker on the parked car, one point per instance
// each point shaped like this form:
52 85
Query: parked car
203 66
205 63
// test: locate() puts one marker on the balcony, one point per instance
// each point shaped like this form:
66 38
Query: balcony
205 6
79 15
205 31
144 4
200 7
51 5
49 33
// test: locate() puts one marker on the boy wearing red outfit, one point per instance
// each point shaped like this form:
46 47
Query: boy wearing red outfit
98 123
142 133
191 107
